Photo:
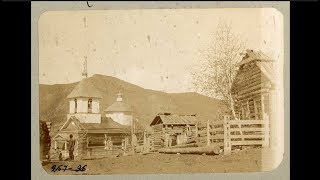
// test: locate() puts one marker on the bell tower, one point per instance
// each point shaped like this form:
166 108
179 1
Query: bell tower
84 100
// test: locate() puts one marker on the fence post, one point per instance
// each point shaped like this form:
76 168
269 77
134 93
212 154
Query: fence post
226 132
266 142
126 140
144 141
208 133
148 144
196 132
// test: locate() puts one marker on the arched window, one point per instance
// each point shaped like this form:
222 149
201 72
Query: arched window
75 105
90 106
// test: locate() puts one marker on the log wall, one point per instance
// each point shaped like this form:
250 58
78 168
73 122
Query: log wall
250 91
159 131
157 136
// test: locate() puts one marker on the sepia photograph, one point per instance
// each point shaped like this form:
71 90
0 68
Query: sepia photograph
161 91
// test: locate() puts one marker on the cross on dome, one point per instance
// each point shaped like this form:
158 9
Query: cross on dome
84 72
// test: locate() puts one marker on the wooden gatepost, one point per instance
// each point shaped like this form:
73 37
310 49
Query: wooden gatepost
208 133
227 139
234 133
146 143
266 131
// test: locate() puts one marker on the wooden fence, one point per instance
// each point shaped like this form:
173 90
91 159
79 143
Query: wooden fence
100 151
225 133
146 144
229 133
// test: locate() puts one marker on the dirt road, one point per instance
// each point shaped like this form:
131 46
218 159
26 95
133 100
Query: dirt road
248 160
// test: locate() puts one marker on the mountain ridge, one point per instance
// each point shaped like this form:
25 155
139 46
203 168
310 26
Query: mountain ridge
145 102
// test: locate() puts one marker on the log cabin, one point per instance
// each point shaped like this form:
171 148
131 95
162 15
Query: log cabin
253 86
256 91
178 128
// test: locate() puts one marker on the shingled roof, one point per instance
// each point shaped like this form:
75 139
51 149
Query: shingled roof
168 118
264 63
107 125
84 89
119 107
251 55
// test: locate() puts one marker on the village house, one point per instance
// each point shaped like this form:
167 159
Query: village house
255 88
91 131
172 129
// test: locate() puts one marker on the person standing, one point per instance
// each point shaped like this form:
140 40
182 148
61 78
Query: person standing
166 140
134 141
169 141
71 143
110 143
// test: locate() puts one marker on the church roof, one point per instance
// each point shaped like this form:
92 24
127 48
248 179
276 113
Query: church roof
84 89
119 106
107 125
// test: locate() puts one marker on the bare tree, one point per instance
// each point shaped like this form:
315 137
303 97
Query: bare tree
215 73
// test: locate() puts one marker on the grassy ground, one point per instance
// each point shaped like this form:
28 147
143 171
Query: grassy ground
247 160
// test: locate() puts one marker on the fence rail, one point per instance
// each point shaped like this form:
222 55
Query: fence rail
229 133
225 133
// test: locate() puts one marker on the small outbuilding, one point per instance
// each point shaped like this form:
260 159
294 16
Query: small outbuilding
172 129
254 86
256 91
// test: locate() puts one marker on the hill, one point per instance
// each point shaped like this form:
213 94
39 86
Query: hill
146 103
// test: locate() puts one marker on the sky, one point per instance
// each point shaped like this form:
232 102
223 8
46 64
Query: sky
152 48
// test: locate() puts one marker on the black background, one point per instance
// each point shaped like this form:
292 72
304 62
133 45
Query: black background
304 101
16 90
16 82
